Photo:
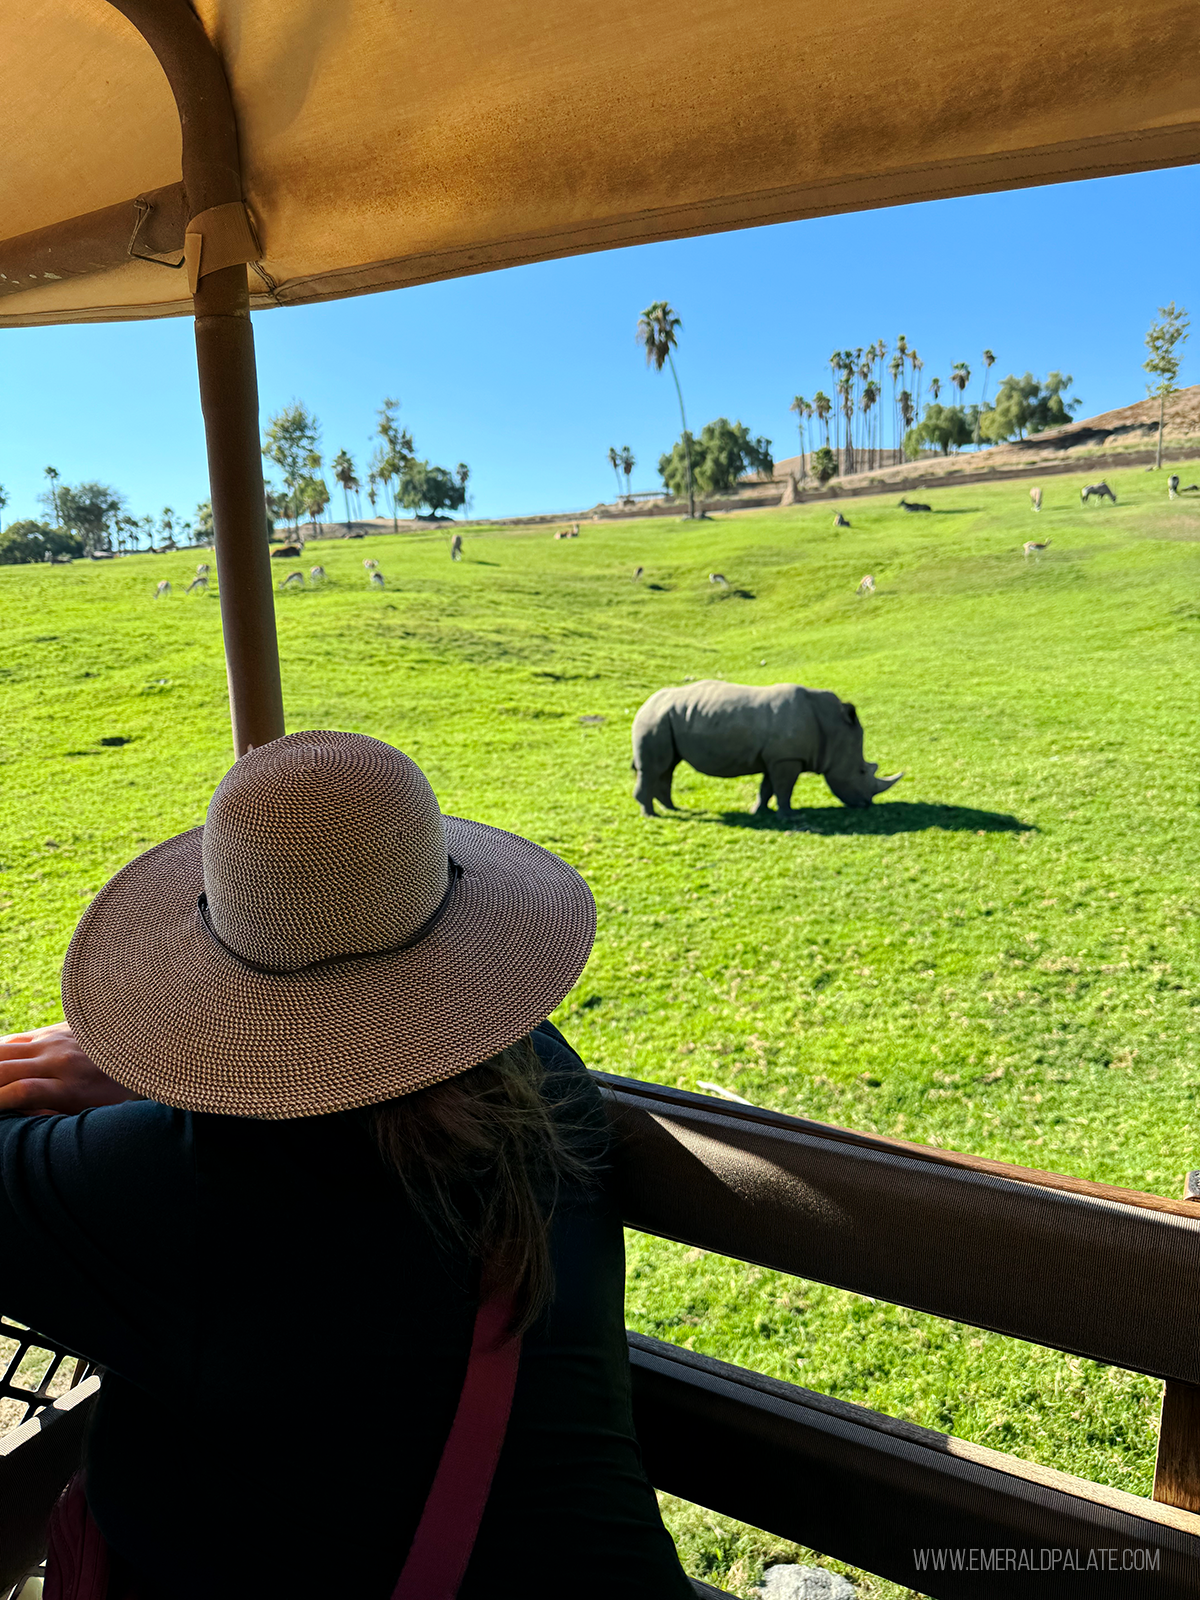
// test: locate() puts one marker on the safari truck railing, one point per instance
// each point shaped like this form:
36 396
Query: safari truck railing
1105 1273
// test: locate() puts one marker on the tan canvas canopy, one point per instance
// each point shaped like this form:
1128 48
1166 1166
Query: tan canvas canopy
376 144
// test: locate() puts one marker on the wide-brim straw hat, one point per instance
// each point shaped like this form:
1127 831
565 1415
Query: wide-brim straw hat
328 939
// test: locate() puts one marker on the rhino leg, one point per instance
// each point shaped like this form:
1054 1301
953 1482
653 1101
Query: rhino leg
654 761
782 776
765 790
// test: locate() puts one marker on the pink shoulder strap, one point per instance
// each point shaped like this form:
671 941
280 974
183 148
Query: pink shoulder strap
445 1535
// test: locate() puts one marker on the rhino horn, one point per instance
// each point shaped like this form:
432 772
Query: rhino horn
880 784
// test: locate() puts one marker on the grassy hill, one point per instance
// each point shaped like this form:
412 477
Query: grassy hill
999 956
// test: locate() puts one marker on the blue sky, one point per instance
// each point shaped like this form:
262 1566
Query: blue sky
530 374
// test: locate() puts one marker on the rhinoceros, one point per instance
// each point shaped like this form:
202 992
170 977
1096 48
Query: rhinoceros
732 730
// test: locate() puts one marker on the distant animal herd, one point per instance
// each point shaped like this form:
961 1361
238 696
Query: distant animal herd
866 586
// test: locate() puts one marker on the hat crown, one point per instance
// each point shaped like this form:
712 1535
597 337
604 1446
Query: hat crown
321 845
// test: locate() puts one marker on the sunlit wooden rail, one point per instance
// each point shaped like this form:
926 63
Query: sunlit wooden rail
1106 1273
1083 1267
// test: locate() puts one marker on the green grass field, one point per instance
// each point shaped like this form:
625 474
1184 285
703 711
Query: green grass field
999 956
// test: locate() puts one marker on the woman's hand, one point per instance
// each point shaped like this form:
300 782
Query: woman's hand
44 1071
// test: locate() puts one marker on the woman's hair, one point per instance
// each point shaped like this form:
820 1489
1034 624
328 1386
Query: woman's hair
482 1160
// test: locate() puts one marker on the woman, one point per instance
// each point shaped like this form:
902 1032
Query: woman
328 1125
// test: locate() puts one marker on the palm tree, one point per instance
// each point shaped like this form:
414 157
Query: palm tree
989 361
657 331
822 405
52 475
896 369
835 367
935 389
614 461
869 396
343 471
372 489
802 409
908 413
462 474
846 394
918 366
960 377
628 462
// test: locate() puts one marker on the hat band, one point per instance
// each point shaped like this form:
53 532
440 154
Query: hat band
455 872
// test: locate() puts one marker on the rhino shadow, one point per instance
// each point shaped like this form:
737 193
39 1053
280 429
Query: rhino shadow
892 816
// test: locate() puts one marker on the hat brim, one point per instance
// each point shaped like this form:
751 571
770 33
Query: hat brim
163 1008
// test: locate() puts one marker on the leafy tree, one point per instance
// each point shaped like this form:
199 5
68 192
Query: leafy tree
205 532
1164 361
372 489
715 461
1025 405
435 487
942 427
25 542
343 471
824 464
628 462
657 330
292 440
86 509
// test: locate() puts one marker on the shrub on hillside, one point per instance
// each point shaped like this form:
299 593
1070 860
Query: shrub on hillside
23 542
942 428
722 454
1025 405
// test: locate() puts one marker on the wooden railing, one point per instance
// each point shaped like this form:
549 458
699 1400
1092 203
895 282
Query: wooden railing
1106 1273
1102 1272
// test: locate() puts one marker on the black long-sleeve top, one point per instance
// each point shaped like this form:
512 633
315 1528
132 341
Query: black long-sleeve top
285 1343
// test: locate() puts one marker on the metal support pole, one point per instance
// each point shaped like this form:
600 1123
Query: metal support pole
228 381
229 401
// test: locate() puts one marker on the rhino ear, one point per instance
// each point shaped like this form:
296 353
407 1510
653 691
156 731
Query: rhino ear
851 714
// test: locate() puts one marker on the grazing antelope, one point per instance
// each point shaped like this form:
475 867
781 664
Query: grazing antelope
1172 486
163 589
293 577
316 573
200 581
377 580
719 578
1101 491
1035 499
1032 548
202 570
913 505
840 522
371 566
638 574
867 586
456 547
